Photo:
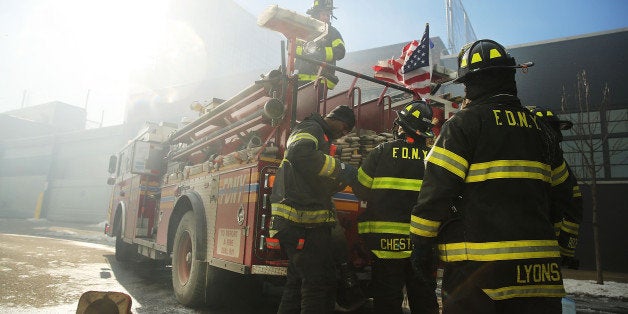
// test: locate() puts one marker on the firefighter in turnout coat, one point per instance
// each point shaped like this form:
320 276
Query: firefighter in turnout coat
567 228
303 213
390 180
499 170
329 49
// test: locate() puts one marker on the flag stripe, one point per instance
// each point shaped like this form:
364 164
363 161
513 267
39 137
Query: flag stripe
419 78
412 69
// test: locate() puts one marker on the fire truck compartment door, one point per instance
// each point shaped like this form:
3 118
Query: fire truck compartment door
236 195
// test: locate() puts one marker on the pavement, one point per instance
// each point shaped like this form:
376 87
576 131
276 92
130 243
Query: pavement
94 233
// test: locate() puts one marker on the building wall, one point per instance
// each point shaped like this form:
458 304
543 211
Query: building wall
611 212
78 189
24 169
65 172
59 116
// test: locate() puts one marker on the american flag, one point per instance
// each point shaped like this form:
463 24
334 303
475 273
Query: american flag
412 69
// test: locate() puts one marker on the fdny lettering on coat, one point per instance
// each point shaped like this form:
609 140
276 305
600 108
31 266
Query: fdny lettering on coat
516 118
231 189
397 244
408 153
536 273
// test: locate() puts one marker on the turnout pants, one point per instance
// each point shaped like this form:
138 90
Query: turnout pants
389 278
311 280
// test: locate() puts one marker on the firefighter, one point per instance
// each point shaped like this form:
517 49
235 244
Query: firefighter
390 180
302 210
568 227
497 171
329 49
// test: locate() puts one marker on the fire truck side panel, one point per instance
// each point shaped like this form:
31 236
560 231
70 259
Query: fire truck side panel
132 206
166 206
233 203
250 216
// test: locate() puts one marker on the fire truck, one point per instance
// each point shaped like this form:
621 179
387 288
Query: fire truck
198 195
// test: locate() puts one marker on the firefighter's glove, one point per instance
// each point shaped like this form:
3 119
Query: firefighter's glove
348 174
423 259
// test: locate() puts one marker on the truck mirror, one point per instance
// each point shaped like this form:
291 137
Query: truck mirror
111 181
113 160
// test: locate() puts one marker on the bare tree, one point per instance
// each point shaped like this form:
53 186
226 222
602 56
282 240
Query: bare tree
592 146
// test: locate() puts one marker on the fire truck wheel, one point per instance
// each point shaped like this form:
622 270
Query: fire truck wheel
188 273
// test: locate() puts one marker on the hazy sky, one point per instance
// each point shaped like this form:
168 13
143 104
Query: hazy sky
70 51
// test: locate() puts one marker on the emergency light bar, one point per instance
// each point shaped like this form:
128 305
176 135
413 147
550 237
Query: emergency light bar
292 24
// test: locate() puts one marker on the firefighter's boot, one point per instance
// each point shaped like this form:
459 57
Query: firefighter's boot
350 296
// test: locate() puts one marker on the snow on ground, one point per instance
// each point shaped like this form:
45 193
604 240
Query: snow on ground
610 289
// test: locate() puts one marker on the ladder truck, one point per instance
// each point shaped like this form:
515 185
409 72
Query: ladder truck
197 196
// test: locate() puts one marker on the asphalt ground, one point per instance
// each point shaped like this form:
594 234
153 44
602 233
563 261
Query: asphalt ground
94 233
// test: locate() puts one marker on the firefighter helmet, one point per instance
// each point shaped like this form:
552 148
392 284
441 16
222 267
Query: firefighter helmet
320 5
481 55
416 116
547 115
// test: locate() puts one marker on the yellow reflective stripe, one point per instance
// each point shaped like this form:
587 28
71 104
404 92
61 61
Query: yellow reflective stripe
494 53
364 178
390 227
448 160
299 50
576 191
302 216
525 291
329 54
508 169
423 227
301 136
567 252
314 77
328 167
570 227
392 254
560 174
393 183
476 58
498 251
557 227
337 42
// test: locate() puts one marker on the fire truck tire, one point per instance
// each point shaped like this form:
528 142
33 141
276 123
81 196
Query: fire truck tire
188 273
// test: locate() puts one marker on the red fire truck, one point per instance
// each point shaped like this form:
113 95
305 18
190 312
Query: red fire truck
198 195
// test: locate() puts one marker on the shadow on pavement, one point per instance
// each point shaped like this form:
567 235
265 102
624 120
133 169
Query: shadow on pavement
149 284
